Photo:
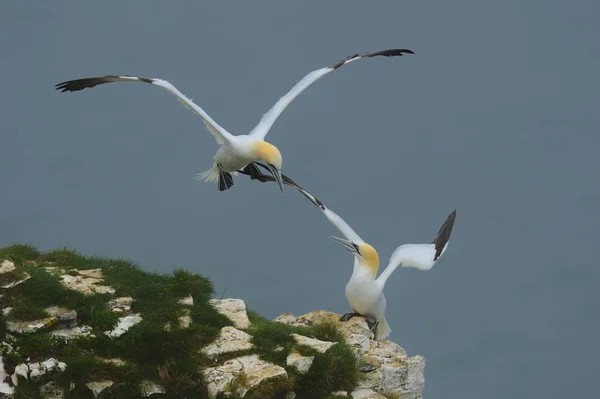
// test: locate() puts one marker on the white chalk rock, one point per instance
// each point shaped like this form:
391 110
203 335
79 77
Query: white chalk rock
121 304
21 370
187 301
234 309
254 371
148 388
98 386
51 390
6 266
364 393
299 362
86 282
21 327
185 319
124 324
229 340
76 332
5 388
25 277
6 311
316 344
63 314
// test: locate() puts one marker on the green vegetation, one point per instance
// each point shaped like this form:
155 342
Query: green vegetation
168 356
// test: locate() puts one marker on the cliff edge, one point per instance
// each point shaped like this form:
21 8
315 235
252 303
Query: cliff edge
75 326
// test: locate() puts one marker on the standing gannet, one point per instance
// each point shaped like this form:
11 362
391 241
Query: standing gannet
236 151
364 290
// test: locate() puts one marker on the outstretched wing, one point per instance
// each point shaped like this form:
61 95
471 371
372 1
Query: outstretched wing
79 84
420 256
261 130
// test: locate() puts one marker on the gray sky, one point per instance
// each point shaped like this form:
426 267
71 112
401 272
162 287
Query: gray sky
495 115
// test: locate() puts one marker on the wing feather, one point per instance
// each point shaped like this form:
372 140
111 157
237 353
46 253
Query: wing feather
79 84
420 256
269 118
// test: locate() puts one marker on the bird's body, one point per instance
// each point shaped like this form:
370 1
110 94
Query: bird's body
364 290
236 151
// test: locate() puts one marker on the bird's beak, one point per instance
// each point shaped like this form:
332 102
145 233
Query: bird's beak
349 245
277 175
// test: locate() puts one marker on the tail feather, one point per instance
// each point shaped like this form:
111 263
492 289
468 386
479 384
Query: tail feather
383 330
211 175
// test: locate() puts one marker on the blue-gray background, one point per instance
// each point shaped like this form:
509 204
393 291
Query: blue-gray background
496 115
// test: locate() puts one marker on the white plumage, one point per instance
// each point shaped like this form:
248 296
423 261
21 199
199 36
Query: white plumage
236 151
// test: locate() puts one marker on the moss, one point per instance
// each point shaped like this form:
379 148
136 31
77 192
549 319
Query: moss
334 370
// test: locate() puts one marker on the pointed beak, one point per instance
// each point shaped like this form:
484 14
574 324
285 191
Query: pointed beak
349 245
277 175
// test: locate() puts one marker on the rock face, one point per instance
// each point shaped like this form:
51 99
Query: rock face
250 370
238 363
384 365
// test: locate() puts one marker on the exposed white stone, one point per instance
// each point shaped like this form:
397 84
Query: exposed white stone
98 386
229 340
316 344
299 362
72 333
386 351
63 314
405 377
124 324
113 360
187 301
30 326
37 370
5 388
253 370
21 370
86 282
185 319
121 304
340 393
365 393
234 309
148 388
6 311
51 390
26 277
6 266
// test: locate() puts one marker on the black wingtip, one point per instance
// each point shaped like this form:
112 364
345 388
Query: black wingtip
385 53
443 235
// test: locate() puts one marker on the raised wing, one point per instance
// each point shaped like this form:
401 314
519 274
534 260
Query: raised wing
79 84
420 256
261 130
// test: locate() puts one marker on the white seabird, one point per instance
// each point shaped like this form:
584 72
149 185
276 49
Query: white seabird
236 151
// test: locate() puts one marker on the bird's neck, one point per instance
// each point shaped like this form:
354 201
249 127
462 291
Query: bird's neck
366 269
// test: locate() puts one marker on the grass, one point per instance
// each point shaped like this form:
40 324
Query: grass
170 358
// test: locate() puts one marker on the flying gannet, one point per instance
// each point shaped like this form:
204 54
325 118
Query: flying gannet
364 290
236 151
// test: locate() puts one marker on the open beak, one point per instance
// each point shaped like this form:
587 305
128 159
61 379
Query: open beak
277 175
349 245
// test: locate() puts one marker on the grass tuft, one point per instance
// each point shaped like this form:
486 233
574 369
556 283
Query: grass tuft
19 253
334 370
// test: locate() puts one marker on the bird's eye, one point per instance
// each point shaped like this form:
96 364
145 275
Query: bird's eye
356 247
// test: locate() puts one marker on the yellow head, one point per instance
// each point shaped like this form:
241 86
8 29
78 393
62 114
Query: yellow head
271 155
366 254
